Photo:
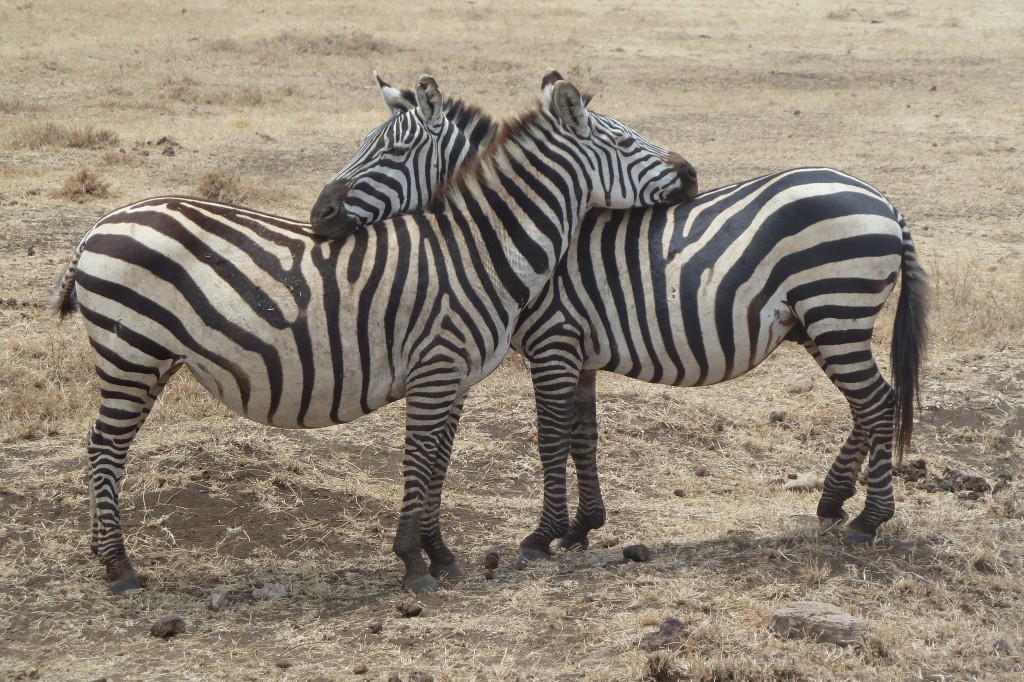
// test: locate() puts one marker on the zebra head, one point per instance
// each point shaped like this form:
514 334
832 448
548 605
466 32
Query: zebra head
397 166
628 170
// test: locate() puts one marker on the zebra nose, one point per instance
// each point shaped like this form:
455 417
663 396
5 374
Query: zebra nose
329 205
322 213
688 175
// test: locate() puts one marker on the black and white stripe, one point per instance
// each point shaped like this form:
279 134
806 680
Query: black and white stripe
296 331
700 293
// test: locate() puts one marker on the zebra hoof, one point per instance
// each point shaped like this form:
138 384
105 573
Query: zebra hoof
576 543
858 537
449 571
419 584
528 556
122 586
829 522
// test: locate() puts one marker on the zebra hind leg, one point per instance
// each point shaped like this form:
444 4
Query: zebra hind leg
872 407
590 511
442 562
127 393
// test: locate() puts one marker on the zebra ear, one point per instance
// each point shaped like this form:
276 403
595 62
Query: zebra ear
429 100
570 108
397 101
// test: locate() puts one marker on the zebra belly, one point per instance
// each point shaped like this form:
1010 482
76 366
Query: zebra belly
299 374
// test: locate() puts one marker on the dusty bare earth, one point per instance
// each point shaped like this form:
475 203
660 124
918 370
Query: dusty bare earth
106 102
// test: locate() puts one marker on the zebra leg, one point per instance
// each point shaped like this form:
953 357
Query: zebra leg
429 403
127 393
590 511
872 407
442 561
555 380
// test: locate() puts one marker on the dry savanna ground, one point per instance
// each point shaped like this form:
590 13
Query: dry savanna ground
259 102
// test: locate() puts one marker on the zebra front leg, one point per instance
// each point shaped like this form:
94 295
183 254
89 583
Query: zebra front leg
429 403
442 561
554 382
590 511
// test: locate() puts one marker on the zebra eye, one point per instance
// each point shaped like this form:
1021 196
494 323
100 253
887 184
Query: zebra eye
397 149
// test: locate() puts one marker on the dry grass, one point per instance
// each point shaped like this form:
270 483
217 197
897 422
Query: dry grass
191 91
224 186
214 504
66 136
83 185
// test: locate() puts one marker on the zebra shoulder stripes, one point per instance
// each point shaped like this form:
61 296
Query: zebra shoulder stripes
705 291
420 307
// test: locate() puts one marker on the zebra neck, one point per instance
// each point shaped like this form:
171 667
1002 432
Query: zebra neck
522 200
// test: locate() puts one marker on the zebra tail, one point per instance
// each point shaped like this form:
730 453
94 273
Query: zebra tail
63 297
909 340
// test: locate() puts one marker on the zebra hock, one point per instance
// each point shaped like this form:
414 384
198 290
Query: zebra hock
776 217
246 300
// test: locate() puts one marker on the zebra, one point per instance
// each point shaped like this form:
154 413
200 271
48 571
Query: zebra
293 330
703 292
401 162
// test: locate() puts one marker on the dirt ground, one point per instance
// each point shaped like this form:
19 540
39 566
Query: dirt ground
108 102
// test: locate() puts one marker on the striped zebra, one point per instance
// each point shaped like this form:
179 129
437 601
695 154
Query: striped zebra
400 164
292 330
700 293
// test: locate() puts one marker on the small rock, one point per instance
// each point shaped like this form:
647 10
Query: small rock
394 678
823 623
168 151
679 492
31 251
701 471
670 634
283 663
270 591
777 417
491 560
376 628
409 610
1008 645
218 601
168 626
805 481
639 553
800 386
360 669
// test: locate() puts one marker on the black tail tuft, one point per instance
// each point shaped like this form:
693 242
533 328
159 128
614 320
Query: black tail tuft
909 339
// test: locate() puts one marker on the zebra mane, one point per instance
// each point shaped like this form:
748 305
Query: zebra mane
498 135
